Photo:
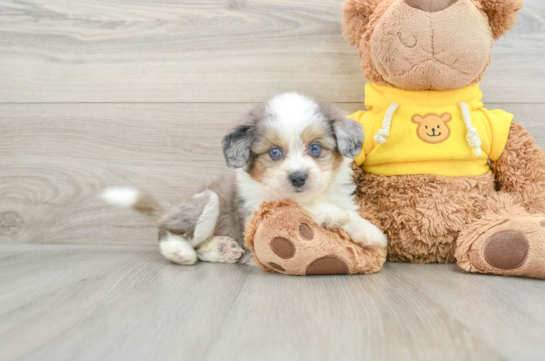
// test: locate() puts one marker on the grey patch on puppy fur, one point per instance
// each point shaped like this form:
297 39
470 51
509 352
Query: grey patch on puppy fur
236 145
182 219
231 220
349 133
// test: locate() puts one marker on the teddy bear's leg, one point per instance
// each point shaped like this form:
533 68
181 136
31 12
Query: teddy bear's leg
507 241
520 171
285 239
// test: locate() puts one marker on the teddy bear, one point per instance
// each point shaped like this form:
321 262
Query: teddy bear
446 179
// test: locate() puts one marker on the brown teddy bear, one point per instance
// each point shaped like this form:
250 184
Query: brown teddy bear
446 179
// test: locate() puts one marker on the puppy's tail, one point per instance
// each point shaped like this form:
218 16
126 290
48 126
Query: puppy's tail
129 197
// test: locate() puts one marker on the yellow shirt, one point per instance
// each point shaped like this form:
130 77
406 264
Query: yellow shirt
428 133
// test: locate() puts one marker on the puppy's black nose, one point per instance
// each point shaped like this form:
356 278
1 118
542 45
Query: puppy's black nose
298 179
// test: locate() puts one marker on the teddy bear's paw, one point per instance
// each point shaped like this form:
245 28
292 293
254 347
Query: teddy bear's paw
288 241
515 247
286 249
302 251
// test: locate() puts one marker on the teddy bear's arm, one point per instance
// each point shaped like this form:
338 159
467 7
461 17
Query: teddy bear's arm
520 170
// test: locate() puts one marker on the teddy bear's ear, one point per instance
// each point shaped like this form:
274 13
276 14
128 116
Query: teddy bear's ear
417 119
446 117
356 15
502 14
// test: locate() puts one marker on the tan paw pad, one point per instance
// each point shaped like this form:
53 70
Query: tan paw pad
277 266
284 248
328 265
506 250
306 232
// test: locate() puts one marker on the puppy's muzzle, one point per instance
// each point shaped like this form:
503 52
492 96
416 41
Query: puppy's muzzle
298 179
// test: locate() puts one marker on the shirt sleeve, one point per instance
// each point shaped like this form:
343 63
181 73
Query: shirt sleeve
358 117
500 123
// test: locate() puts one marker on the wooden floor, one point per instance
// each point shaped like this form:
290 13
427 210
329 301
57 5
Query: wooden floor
73 302
139 92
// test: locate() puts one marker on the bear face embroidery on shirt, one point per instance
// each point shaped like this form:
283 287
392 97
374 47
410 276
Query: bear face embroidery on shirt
432 128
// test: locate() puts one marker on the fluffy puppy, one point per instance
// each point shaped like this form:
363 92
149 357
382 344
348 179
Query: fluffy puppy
288 147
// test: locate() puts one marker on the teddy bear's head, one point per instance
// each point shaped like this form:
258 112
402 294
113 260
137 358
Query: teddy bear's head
427 44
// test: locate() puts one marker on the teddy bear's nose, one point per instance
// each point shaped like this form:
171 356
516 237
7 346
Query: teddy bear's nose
430 5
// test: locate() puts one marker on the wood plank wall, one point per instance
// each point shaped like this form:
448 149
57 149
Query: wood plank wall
139 92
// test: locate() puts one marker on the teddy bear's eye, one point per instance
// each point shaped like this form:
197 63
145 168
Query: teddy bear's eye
438 127
426 127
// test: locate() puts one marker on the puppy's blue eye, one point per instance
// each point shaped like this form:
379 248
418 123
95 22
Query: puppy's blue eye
275 152
315 149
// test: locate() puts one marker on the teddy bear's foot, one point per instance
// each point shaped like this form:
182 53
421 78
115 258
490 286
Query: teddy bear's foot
285 239
509 247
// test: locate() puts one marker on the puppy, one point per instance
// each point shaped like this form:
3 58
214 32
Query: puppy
288 147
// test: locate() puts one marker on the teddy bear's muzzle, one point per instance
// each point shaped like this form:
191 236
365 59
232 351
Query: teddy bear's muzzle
431 6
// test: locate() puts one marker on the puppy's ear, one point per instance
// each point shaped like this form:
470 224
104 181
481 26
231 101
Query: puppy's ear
356 15
236 146
502 14
348 133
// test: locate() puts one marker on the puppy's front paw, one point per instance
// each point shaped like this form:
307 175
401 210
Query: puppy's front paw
367 235
330 216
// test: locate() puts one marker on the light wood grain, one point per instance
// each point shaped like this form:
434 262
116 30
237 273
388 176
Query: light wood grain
139 92
55 159
127 303
214 51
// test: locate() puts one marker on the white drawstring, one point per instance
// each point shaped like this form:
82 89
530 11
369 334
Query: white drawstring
383 133
472 136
